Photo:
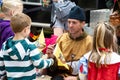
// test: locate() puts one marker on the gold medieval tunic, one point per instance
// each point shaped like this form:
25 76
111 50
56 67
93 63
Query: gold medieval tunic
76 48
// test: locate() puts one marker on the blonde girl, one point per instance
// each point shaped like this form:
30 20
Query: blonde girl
103 62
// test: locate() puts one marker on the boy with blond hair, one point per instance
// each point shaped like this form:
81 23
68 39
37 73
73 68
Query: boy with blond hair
19 57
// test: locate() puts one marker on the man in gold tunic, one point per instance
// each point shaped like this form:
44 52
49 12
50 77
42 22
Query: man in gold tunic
76 42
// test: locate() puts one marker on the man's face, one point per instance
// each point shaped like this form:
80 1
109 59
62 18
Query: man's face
75 26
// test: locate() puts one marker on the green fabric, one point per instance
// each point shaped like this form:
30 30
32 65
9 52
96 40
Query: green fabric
20 59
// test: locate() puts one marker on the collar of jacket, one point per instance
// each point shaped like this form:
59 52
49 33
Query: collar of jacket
82 36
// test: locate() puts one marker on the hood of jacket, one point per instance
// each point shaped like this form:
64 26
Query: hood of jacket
17 50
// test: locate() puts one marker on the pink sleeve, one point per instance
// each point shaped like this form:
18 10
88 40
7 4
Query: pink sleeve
51 40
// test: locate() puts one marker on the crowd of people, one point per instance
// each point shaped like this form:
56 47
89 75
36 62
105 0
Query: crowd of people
88 57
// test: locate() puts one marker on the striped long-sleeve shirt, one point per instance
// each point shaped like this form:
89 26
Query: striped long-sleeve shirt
18 59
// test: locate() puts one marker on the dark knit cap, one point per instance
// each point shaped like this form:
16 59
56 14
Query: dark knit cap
77 13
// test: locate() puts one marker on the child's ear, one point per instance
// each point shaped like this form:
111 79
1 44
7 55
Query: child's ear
12 12
25 29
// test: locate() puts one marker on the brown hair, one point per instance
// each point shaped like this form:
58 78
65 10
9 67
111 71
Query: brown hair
19 22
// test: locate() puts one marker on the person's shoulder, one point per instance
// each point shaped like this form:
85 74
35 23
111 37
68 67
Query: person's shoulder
30 44
89 38
115 58
5 25
64 36
4 22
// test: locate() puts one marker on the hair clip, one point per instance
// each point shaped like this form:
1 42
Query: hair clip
104 49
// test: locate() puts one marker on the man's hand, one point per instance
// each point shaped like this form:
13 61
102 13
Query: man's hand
49 51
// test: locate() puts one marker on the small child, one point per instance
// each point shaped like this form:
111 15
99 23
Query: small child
8 8
19 58
103 62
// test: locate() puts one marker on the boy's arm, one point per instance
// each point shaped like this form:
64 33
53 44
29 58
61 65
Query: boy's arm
39 62
2 67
